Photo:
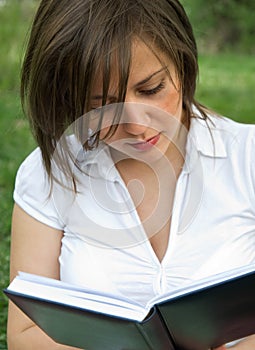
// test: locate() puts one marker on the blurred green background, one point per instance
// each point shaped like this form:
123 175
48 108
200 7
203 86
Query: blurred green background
225 33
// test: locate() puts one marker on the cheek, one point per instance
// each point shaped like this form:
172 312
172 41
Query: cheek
172 104
117 134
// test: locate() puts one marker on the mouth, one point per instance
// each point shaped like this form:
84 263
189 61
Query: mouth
147 144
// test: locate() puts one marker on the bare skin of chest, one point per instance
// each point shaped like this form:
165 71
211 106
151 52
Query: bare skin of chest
153 194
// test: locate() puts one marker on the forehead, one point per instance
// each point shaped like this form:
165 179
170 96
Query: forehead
144 61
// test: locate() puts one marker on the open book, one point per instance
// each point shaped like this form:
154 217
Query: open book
208 313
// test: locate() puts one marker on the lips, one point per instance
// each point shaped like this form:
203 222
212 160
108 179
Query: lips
146 145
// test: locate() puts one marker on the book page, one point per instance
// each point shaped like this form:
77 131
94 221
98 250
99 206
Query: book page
76 296
203 283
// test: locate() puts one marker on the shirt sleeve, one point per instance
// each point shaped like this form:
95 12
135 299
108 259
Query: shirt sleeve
32 191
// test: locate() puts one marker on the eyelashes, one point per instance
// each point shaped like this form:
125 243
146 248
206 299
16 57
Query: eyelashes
145 92
153 91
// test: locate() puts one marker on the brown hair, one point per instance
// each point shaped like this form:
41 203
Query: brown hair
70 38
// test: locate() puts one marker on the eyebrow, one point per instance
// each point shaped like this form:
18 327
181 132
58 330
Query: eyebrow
142 82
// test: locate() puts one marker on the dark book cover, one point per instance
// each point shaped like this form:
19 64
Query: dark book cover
197 320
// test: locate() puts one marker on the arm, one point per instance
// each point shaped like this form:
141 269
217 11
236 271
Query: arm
35 248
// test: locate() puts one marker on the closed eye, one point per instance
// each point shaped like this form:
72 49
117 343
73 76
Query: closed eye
153 91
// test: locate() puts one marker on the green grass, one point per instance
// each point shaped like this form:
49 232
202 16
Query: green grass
15 138
227 84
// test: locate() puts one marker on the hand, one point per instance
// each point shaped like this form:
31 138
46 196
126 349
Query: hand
247 343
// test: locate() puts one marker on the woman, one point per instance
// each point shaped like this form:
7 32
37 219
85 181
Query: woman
133 203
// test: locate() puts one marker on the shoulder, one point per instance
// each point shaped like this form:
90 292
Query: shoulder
32 190
225 147
31 175
221 135
234 127
233 134
239 142
232 143
32 166
224 141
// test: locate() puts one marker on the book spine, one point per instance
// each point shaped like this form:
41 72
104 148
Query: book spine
155 332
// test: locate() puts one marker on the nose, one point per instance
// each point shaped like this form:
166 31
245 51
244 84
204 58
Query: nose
135 120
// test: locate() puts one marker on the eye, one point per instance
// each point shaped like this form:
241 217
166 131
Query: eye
153 91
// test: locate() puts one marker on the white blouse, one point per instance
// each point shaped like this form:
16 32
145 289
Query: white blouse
104 245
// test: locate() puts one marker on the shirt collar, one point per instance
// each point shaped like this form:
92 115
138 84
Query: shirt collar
207 138
204 138
98 163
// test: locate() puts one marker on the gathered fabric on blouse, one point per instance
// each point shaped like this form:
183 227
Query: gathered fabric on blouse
104 245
